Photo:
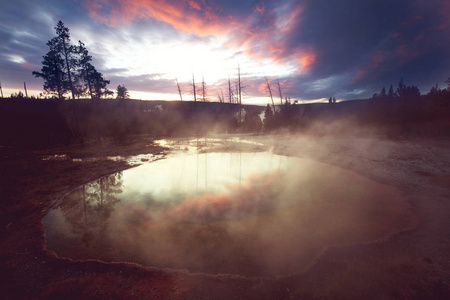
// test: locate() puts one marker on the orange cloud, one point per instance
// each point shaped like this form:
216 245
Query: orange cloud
262 88
256 194
185 15
260 8
194 5
306 59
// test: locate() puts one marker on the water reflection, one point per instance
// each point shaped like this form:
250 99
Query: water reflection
240 213
173 180
86 211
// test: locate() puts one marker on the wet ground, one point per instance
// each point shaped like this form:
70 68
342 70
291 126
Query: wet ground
412 263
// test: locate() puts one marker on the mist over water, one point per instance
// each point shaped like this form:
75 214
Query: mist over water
254 214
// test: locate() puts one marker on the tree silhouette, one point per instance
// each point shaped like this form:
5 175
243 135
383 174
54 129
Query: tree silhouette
193 88
86 67
88 208
252 122
61 44
270 93
55 79
204 89
410 91
383 93
230 91
435 90
122 92
68 68
391 93
99 84
268 117
91 79
179 89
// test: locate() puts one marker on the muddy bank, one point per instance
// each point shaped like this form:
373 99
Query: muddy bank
412 264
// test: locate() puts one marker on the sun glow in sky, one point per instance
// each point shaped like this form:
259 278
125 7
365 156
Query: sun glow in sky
315 49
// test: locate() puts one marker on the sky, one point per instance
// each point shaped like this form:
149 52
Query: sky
315 49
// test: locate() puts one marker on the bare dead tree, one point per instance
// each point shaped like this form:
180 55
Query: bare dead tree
1 89
25 87
223 99
270 92
279 90
179 89
240 93
203 89
230 91
240 86
193 87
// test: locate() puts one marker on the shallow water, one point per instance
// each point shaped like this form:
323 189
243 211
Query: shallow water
257 214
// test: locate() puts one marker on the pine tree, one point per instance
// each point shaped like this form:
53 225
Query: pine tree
59 64
122 92
55 79
68 68
99 84
85 66
401 89
92 79
391 93
383 93
268 117
62 45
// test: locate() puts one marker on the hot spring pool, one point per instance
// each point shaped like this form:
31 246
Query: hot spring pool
254 214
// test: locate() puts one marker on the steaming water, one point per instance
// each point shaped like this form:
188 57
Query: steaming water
256 214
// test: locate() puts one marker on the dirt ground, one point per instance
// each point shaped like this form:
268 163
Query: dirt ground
411 264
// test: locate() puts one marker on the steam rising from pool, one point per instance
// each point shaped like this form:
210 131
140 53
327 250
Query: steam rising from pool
255 214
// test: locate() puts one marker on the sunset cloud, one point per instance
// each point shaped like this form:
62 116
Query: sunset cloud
259 36
185 15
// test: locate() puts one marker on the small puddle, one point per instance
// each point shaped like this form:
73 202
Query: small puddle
249 213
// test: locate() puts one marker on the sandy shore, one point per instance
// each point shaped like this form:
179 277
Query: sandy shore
412 264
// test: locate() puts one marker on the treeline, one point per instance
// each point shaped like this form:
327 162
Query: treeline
401 112
26 123
404 91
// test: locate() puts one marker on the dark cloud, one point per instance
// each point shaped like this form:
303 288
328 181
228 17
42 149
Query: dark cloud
362 45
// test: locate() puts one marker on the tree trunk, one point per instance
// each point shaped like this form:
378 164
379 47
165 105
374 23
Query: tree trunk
66 56
240 93
193 85
270 92
88 80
